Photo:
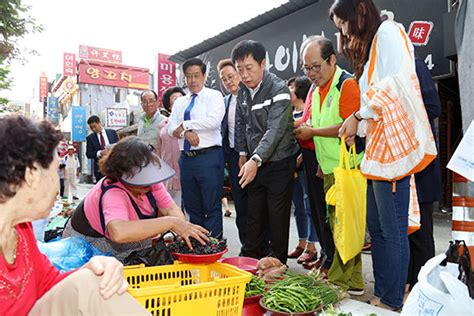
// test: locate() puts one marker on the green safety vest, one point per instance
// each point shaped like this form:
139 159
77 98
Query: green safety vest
328 148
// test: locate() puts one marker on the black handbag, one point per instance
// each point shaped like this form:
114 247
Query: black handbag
459 253
156 255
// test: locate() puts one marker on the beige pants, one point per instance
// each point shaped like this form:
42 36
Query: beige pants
78 294
70 183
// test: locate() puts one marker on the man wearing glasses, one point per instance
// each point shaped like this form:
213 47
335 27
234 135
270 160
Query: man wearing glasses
336 97
231 81
148 124
267 147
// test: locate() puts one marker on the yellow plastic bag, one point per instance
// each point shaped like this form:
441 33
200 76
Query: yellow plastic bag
351 188
331 195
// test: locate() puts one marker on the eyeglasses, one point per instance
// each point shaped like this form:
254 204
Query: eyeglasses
229 78
146 102
313 68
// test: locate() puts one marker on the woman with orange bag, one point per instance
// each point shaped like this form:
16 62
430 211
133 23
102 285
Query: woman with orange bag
397 146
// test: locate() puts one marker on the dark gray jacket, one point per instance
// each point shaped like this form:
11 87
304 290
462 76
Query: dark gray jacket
265 124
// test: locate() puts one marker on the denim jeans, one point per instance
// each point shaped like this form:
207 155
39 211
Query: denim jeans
387 219
303 216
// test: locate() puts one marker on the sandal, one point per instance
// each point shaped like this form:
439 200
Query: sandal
295 253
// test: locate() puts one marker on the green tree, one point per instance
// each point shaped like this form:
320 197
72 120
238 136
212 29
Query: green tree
15 23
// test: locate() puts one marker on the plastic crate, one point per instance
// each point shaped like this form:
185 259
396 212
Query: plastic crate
189 289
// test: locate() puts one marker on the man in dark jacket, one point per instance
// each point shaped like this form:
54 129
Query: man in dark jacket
98 142
231 81
267 148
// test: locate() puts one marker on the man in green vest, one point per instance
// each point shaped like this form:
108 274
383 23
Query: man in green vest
335 98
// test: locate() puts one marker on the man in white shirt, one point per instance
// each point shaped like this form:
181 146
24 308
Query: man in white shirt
231 81
196 121
98 142
72 171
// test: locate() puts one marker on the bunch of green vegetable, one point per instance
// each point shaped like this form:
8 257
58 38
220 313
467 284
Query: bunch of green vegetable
256 286
299 293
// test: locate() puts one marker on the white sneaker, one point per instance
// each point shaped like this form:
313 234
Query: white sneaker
356 292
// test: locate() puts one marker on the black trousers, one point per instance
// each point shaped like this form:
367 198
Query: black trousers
239 195
269 204
317 201
422 246
61 187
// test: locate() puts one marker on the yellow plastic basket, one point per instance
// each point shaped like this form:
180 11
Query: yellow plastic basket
189 289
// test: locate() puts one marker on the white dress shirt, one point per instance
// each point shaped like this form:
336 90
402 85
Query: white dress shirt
107 143
231 120
206 117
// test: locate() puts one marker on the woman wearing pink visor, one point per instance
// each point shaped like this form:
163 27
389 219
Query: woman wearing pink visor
130 205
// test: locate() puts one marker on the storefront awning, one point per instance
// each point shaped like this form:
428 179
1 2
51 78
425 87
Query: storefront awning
242 29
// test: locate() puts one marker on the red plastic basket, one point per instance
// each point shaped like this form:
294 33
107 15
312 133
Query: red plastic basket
245 263
191 258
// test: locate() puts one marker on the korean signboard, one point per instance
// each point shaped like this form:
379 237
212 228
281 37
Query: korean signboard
43 87
78 123
53 110
68 85
166 74
117 117
100 54
419 32
113 75
69 64
283 44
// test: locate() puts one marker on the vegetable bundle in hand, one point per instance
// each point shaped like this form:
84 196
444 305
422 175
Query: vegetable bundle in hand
214 245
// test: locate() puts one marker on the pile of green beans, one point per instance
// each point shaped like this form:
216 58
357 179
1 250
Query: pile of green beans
298 294
256 286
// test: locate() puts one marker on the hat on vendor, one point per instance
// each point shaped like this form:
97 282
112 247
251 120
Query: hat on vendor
152 173
71 147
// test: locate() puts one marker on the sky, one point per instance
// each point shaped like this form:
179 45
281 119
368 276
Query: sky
138 28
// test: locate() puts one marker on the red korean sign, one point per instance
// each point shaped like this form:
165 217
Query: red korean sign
69 64
166 77
100 54
113 75
419 32
43 87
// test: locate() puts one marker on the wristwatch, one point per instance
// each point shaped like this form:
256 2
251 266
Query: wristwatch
355 115
257 160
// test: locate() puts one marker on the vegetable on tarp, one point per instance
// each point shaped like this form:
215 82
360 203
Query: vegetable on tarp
299 293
